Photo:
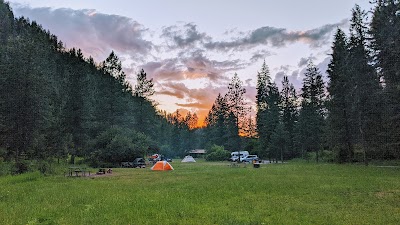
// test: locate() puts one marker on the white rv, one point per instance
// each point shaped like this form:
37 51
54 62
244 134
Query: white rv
238 156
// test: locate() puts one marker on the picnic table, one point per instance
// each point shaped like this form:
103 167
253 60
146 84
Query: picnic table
78 171
256 163
104 171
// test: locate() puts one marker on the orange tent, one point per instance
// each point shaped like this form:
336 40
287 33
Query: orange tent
162 165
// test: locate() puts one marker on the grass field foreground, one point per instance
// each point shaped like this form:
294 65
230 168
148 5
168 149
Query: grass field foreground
208 193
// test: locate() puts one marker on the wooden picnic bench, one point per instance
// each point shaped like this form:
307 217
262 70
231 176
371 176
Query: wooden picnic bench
78 171
102 171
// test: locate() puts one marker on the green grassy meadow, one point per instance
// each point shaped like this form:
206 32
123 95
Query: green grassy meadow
208 193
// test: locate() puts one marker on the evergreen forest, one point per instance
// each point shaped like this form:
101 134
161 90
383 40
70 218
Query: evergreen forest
58 105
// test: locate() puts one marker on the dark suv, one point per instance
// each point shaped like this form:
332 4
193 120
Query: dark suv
250 158
139 162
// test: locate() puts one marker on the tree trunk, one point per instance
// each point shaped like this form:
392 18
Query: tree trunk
364 147
72 159
348 142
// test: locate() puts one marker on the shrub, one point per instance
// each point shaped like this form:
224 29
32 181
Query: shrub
328 156
5 168
45 167
117 145
21 166
217 153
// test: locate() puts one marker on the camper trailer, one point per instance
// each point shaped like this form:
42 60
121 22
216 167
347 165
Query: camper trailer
238 156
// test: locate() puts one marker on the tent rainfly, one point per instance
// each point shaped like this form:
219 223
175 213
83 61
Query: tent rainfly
162 165
188 158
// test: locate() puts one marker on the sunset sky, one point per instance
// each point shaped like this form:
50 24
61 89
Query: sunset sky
192 48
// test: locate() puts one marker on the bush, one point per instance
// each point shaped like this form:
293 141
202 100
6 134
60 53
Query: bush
215 148
217 153
328 156
117 145
5 168
45 167
20 167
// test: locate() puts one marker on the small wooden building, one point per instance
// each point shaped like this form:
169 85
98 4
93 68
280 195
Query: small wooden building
197 153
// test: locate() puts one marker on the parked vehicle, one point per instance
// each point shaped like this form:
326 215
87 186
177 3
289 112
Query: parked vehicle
126 165
250 158
154 158
139 162
236 156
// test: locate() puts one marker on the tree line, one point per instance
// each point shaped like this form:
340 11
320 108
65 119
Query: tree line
55 103
352 117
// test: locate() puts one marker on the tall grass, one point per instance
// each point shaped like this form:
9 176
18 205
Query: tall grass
208 193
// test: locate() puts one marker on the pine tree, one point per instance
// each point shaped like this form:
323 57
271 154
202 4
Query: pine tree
268 110
235 98
112 66
385 29
191 120
114 86
178 139
279 142
231 137
144 88
365 91
74 110
142 92
272 116
263 79
340 87
217 121
6 22
289 113
236 104
249 127
309 129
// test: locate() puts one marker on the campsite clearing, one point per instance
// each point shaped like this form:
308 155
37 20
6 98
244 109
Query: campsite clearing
208 193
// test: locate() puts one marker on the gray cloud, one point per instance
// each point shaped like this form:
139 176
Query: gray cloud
257 37
276 37
303 61
95 33
185 36
192 65
260 54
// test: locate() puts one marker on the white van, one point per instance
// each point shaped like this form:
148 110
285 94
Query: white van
235 155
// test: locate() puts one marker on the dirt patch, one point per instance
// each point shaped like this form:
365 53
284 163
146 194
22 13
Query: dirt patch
387 194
